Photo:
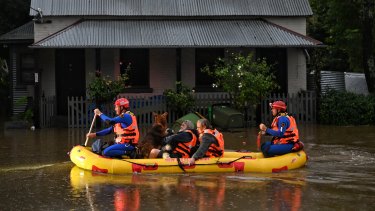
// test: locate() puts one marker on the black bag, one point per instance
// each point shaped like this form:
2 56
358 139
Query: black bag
98 146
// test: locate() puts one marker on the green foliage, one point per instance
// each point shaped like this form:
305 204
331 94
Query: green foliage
28 115
339 24
345 108
104 89
180 100
245 79
13 13
4 81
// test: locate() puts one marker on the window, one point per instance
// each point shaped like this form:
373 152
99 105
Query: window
277 58
27 65
138 72
203 57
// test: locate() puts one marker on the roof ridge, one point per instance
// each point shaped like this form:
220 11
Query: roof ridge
181 8
59 31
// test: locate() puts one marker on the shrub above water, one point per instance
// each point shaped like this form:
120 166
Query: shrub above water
180 100
345 108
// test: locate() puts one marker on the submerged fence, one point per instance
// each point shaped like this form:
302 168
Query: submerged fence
47 111
80 111
301 106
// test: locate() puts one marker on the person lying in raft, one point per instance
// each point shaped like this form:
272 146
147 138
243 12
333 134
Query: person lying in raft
211 142
124 126
180 145
284 131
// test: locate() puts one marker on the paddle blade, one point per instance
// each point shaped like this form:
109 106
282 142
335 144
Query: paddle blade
259 137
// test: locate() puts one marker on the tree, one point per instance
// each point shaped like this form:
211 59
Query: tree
246 80
367 17
347 28
13 13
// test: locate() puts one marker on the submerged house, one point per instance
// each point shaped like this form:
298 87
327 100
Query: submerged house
164 40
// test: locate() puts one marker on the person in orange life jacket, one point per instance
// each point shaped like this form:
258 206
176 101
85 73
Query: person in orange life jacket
211 142
180 145
284 131
124 126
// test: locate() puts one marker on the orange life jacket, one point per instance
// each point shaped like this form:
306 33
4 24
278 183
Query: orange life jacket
215 150
291 134
184 149
129 134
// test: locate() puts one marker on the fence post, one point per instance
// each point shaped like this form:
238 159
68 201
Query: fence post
69 112
302 106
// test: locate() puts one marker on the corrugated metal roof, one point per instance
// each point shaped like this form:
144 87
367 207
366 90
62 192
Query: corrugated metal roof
24 32
172 7
174 33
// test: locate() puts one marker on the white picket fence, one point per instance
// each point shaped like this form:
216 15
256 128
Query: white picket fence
80 111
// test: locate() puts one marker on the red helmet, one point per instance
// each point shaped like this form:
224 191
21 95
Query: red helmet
278 105
122 102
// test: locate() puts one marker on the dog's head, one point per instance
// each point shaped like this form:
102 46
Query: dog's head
161 119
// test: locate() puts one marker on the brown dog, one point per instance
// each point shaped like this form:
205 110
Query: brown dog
154 137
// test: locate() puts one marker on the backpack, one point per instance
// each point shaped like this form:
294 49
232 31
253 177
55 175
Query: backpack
99 145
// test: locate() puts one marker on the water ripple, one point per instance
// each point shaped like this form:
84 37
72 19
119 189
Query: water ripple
26 168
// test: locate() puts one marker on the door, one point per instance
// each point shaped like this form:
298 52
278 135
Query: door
70 77
277 57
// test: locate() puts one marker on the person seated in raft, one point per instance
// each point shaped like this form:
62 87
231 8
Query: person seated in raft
284 131
211 142
180 145
124 126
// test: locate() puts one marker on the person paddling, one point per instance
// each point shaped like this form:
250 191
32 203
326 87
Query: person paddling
124 125
284 131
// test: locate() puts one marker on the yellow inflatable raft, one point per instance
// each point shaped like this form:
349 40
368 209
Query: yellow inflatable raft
231 162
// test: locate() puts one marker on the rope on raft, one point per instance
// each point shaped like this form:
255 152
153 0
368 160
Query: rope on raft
181 165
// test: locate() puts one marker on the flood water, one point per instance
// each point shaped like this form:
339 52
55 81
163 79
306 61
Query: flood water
36 174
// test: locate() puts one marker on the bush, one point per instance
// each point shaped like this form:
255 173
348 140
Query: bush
103 89
28 115
180 100
345 108
247 80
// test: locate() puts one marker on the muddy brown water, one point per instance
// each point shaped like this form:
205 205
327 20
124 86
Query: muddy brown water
36 174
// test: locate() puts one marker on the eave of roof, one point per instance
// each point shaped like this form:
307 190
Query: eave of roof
174 33
24 33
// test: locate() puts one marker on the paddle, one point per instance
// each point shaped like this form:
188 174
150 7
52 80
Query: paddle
92 125
199 115
259 137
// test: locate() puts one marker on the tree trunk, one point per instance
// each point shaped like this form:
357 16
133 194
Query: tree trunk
367 44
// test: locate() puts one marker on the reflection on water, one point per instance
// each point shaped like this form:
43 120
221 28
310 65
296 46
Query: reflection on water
37 175
197 192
